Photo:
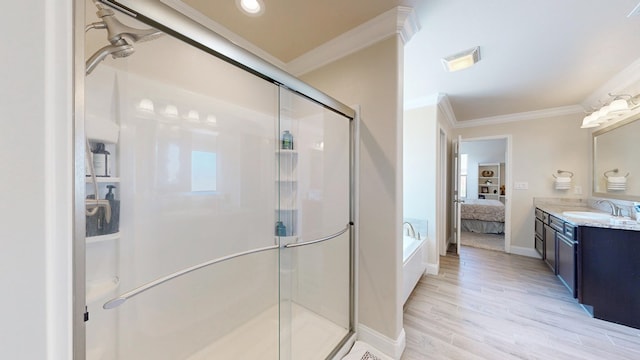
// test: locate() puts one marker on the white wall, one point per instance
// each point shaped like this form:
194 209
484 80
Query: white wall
540 147
36 158
371 78
420 175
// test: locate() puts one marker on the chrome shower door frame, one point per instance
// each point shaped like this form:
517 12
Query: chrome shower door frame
157 14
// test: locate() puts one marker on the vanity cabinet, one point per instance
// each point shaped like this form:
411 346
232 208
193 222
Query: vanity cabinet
609 274
550 247
556 242
541 219
566 257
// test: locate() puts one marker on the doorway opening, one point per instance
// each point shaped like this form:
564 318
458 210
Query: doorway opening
484 192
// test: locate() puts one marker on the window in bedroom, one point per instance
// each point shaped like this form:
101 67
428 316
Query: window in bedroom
463 175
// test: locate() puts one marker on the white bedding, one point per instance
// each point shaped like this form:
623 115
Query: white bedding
483 209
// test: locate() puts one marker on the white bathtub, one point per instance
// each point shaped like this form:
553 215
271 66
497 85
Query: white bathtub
413 264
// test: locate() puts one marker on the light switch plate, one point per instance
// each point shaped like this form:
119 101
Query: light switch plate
521 185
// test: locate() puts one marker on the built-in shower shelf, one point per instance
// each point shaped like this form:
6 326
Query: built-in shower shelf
287 151
101 238
98 289
286 239
103 179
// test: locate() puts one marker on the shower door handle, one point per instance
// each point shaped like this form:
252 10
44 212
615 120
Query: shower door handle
115 302
310 242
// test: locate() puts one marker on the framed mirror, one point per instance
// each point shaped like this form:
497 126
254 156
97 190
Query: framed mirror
616 170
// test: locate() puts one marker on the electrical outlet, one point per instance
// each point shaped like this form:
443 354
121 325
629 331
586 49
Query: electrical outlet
577 189
521 185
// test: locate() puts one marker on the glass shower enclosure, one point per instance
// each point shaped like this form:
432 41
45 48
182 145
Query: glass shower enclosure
220 226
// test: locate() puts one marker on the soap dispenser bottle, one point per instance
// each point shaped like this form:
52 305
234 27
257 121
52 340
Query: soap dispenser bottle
112 226
101 164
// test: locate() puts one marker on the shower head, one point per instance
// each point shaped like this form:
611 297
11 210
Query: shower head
119 32
121 37
117 51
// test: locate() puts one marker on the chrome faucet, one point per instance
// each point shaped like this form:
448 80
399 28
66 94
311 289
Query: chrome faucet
413 231
615 210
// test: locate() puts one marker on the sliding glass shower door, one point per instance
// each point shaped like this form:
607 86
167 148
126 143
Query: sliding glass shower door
229 233
313 186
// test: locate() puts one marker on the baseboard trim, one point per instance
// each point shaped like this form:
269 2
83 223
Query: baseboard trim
432 269
524 251
345 348
391 347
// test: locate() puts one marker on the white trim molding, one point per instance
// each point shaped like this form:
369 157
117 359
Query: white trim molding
432 269
400 21
445 107
215 26
391 347
625 82
523 116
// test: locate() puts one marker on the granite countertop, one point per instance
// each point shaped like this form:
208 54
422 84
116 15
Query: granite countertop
558 209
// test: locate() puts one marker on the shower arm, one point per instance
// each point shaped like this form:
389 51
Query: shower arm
117 301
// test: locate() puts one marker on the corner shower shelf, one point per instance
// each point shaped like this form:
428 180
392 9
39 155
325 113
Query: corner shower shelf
287 151
285 240
99 289
101 238
102 179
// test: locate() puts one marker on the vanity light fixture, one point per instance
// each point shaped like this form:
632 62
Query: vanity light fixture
251 7
192 116
212 120
171 111
461 60
618 107
146 106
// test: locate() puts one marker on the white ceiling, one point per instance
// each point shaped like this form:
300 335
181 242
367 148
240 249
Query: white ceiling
536 55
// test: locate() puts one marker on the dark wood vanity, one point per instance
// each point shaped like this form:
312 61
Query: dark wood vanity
608 274
600 266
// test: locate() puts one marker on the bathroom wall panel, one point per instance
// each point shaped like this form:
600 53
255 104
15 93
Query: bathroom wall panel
167 226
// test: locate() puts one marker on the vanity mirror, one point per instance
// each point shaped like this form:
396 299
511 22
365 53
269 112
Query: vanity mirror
616 170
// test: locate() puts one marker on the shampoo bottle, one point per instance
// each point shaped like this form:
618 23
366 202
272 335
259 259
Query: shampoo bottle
286 140
281 230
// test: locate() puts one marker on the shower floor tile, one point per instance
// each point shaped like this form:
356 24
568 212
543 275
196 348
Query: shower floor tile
313 337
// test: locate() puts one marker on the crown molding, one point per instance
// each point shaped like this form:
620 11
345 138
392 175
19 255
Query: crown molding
523 116
444 105
626 81
440 100
407 23
400 21
207 22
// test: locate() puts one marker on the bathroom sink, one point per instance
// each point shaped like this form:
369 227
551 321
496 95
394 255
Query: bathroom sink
587 215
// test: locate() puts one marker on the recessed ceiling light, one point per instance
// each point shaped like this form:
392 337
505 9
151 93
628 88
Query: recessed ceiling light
251 7
462 60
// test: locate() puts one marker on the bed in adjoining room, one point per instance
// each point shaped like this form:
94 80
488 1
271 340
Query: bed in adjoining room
484 216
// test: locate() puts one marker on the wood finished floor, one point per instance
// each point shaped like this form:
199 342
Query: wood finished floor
492 305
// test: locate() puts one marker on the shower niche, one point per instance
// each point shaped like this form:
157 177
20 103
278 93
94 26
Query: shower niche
287 188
